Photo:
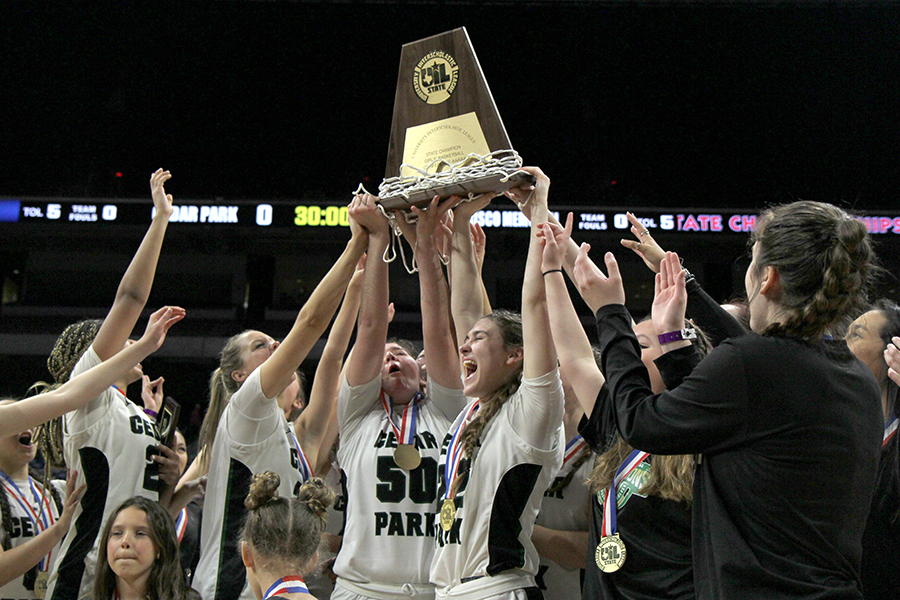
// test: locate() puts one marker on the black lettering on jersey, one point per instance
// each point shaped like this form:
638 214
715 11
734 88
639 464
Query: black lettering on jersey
21 527
139 426
505 551
558 493
386 440
430 442
410 524
447 537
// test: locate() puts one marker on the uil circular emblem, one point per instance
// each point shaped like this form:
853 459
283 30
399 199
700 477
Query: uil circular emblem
435 77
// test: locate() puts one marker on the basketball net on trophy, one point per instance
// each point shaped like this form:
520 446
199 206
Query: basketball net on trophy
447 137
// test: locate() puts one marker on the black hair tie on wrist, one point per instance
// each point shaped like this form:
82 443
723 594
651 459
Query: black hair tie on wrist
551 271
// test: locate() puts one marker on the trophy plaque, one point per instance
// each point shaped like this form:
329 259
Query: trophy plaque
447 137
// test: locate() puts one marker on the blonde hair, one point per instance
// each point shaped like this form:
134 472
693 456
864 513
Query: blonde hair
221 387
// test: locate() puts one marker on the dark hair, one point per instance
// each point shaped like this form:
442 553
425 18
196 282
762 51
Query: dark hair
891 329
825 264
70 346
285 532
301 379
166 579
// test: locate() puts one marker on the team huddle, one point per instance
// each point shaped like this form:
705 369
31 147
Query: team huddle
746 450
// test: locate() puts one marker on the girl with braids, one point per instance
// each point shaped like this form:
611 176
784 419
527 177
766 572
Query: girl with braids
786 466
111 443
280 537
389 431
246 431
78 391
504 449
139 555
868 337
653 501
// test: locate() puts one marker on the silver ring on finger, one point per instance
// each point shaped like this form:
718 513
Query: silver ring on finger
645 232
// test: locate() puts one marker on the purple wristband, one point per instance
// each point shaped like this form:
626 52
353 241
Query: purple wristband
677 336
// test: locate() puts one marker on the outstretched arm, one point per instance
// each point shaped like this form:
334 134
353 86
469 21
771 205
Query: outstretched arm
134 289
365 361
316 427
540 353
576 357
276 373
80 390
443 358
466 298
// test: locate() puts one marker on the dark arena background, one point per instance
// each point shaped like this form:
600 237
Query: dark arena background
693 115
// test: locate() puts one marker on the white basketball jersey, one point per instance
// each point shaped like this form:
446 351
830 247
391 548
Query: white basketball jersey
489 542
390 512
566 509
27 523
268 446
110 443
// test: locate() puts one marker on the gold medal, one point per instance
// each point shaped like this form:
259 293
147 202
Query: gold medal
407 457
610 554
448 514
40 584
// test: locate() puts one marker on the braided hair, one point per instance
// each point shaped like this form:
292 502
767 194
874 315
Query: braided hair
825 264
70 346
509 324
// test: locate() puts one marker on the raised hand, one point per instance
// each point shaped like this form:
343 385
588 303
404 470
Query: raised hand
159 324
431 218
530 195
479 243
892 358
162 202
670 301
364 209
152 393
73 497
464 211
554 239
645 246
169 466
595 288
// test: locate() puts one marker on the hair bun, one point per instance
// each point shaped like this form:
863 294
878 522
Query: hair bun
263 490
316 496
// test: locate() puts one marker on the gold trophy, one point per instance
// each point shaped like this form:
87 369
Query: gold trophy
447 137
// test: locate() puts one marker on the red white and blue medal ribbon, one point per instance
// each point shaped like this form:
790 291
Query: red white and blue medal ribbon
181 524
451 469
406 434
609 506
573 449
305 467
292 584
890 430
454 450
42 520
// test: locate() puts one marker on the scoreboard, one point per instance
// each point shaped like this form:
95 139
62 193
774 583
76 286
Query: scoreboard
261 215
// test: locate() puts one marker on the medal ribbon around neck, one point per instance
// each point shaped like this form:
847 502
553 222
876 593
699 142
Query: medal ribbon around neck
454 451
406 434
181 524
573 449
292 584
305 467
890 430
609 506
42 520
